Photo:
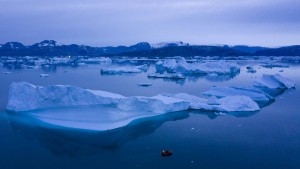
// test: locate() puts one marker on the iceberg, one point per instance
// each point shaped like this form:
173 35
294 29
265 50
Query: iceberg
144 84
250 69
44 75
225 104
124 69
252 92
166 75
180 65
120 70
274 82
24 96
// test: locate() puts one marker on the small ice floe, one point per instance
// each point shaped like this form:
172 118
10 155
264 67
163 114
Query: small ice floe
166 75
274 82
32 67
144 84
281 70
44 75
273 65
6 73
250 69
124 69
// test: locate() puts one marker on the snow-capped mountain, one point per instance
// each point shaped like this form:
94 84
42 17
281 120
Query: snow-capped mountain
47 43
169 44
12 45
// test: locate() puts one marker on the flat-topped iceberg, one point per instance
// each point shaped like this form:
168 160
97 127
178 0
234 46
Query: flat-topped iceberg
274 82
181 66
252 92
24 96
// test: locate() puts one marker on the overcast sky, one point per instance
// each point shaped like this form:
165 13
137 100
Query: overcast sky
126 22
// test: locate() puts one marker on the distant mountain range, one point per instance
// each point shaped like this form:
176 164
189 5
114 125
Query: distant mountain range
144 49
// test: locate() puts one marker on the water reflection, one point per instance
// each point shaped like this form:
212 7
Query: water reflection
76 142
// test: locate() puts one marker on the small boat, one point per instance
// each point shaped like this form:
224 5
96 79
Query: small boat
166 153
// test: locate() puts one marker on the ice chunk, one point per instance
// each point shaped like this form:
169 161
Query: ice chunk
166 75
120 70
250 69
44 75
274 82
6 73
227 104
124 69
145 84
181 66
254 93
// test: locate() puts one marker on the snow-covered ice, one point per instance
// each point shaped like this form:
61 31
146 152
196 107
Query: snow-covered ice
180 65
44 75
225 104
124 69
252 92
274 82
166 75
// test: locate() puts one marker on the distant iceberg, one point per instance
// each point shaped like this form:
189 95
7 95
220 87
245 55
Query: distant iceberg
180 65
124 69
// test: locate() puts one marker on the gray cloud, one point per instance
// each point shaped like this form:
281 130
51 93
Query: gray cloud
94 22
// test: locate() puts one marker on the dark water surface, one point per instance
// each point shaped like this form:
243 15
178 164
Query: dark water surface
266 139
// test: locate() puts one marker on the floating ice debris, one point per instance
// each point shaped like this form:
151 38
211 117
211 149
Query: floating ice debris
7 73
144 84
32 67
124 69
272 65
120 70
101 60
252 92
181 66
44 75
274 82
166 75
250 69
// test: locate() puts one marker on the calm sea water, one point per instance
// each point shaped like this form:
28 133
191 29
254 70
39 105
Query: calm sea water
269 138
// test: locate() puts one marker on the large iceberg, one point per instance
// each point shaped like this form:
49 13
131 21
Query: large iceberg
180 65
24 96
274 82
252 92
